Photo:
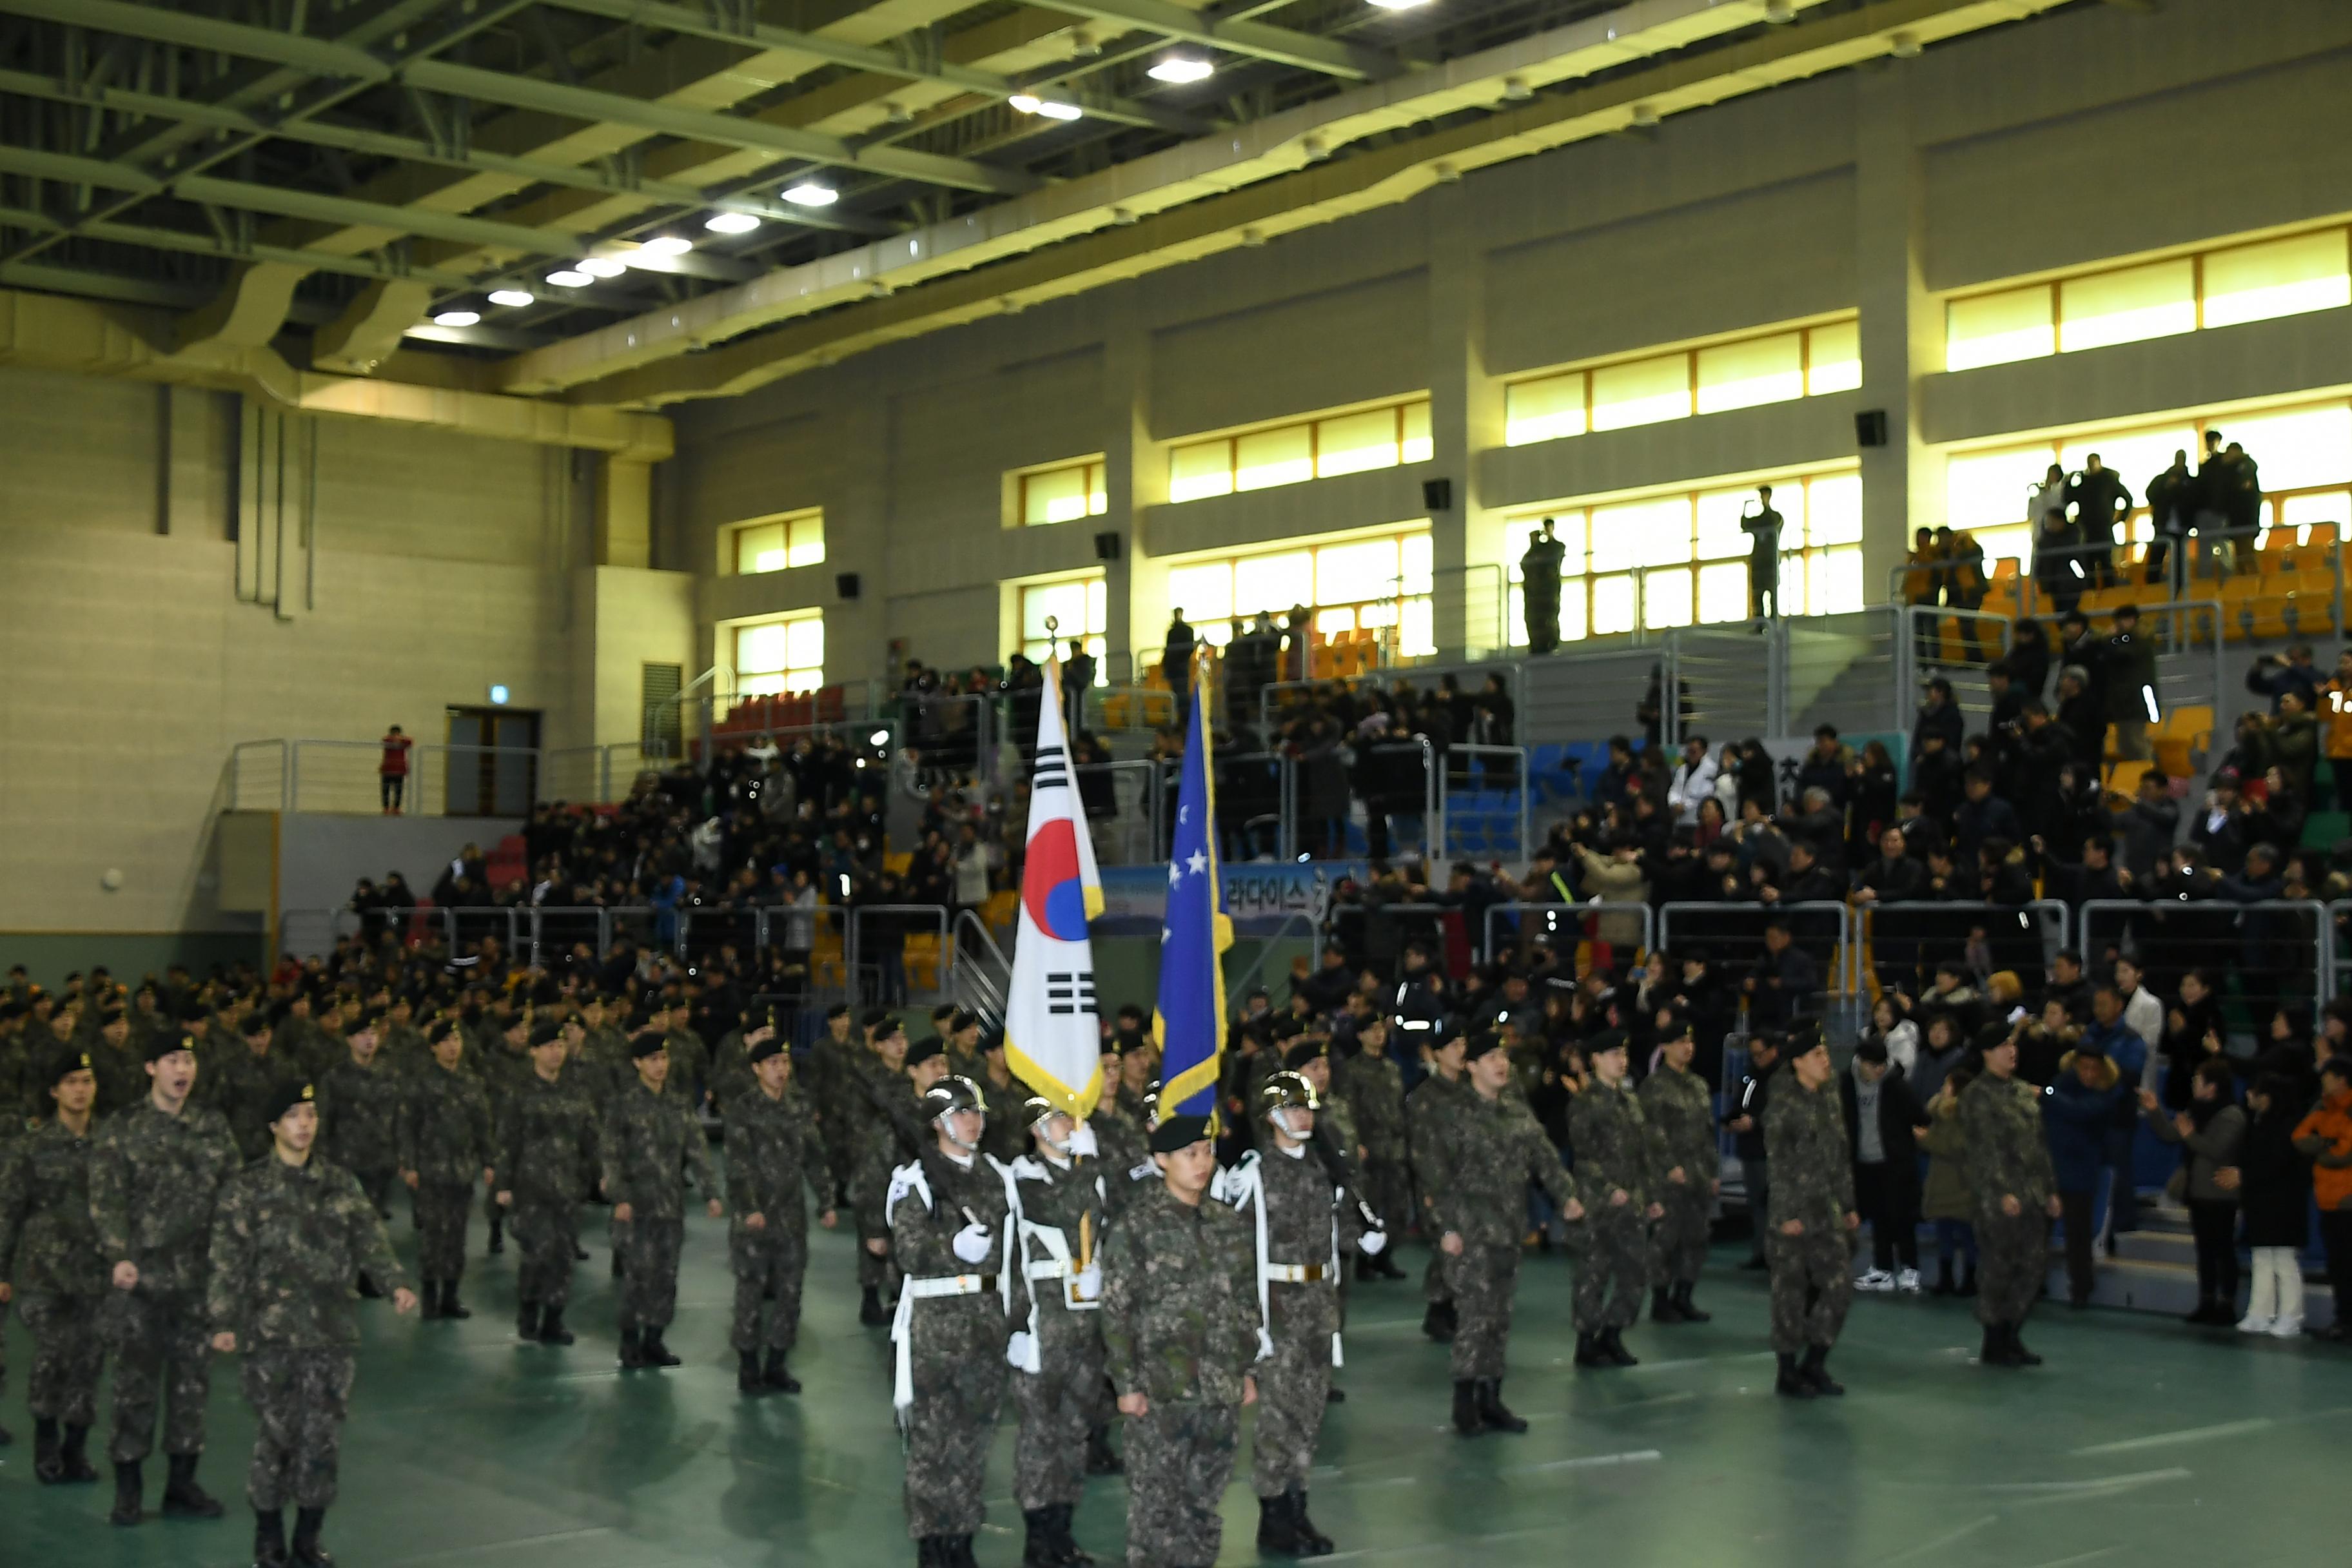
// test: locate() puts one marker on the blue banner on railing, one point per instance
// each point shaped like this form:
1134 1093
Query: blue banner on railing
1258 896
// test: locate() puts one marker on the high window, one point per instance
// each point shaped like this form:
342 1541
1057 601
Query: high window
1383 438
1079 607
1379 584
1768 367
782 656
775 543
1061 493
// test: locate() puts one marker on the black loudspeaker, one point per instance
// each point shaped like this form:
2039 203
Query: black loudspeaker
1437 495
1106 546
1870 428
846 585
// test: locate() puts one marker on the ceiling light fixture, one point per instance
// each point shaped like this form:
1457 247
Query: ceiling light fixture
666 245
1181 68
731 223
808 195
1026 102
603 266
1052 109
456 317
513 297
569 278
1399 5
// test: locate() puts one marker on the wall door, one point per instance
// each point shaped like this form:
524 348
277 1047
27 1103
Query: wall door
493 769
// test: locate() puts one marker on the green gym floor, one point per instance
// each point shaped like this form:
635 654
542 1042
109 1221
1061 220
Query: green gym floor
2139 1444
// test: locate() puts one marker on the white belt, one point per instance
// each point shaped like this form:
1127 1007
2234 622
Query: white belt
910 1290
1050 1269
1297 1273
950 1285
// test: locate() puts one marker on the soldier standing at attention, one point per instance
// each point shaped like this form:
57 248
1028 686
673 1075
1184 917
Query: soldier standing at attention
690 1059
49 1264
1178 1343
1057 1355
1427 1108
829 1081
1681 1114
1810 1244
245 1078
652 1140
446 1143
2007 1161
290 1232
951 1215
359 1119
154 1170
1613 1147
1364 1080
546 1159
772 1151
1482 1153
888 1136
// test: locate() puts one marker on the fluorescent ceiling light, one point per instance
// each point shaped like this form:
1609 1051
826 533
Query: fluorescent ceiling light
1026 102
1181 68
809 194
515 297
731 223
1053 110
603 266
667 245
569 278
1398 4
456 317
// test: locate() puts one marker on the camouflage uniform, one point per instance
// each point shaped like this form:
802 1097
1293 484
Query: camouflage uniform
1124 1147
1614 1146
404 1051
833 1079
445 1139
1372 1089
651 1141
286 1242
152 1179
241 1082
1474 1162
1301 1265
547 1159
2005 1152
1681 1114
772 1151
359 1126
887 1136
1427 1108
951 1343
50 1253
121 1073
604 1065
1178 1327
1812 1181
689 1067
1060 1401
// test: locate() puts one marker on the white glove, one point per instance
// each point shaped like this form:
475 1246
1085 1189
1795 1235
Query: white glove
1265 1344
1372 1242
972 1242
1082 1142
1088 1282
1021 1352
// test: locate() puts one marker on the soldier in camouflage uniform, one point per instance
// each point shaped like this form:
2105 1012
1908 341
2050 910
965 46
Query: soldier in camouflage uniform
154 1170
689 1058
1180 1337
1480 1156
604 1048
1057 1355
951 1215
2006 1159
1372 1088
290 1232
546 1147
1810 1244
403 1045
1007 1139
1432 1099
445 1145
359 1119
17 1072
1681 1114
49 1264
829 1079
887 1135
772 1151
122 1071
246 1077
1614 1147
652 1142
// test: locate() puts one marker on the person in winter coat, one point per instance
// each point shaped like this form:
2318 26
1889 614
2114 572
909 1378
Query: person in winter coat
1947 1200
2130 667
2077 1115
2193 1032
2325 1138
2211 1129
1693 780
2334 711
1882 1125
1615 878
2274 1187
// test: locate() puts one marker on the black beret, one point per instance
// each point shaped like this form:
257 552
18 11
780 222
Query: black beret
65 1063
838 1010
163 1043
1606 1040
1298 1055
257 1022
874 1018
773 1046
1802 1038
1478 1045
1134 1043
547 1032
284 1098
111 1013
1675 1027
1871 1049
369 1018
963 1020
924 1050
1179 1132
646 1044
440 1029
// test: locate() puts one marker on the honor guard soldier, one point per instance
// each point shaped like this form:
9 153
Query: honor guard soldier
1681 1113
1057 1352
1810 1244
773 1151
50 1265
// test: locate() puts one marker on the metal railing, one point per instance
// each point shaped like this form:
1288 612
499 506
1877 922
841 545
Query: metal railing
2277 951
1823 931
1906 940
1131 832
953 734
1469 675
980 977
1520 789
1433 798
1555 919
1256 806
879 970
1293 927
1725 679
343 777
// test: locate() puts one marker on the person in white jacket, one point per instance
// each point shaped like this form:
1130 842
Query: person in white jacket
1693 781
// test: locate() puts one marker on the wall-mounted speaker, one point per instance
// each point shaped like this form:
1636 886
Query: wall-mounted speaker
1107 546
1437 495
1870 428
846 585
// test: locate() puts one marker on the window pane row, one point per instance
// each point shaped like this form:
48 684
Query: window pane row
1291 454
1063 494
777 544
1350 585
2162 298
775 657
1774 367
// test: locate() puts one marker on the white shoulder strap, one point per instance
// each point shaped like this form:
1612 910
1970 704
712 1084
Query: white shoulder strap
907 1178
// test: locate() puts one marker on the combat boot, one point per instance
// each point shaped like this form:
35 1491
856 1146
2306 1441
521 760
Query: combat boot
369 1290
1587 1351
958 1552
1439 1323
72 1456
306 1548
49 1468
2017 1350
747 1374
1466 1419
268 1538
930 1552
1101 1458
551 1331
779 1376
1387 1266
1612 1345
1492 1410
1691 1314
1790 1383
1815 1370
183 1498
527 1319
1995 1349
632 1355
1276 1531
1334 1394
656 1353
128 1510
1073 1555
451 1307
1312 1542
870 1311
429 1301
1663 1308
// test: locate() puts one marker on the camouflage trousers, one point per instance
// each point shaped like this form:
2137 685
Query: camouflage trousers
546 1230
1678 1240
1178 1458
163 1361
2012 1264
1388 1188
957 1351
1481 1283
649 1249
62 1384
299 1399
441 1213
1292 1385
1058 1403
1433 1289
875 1272
1812 1286
1613 1269
768 1265
377 1185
